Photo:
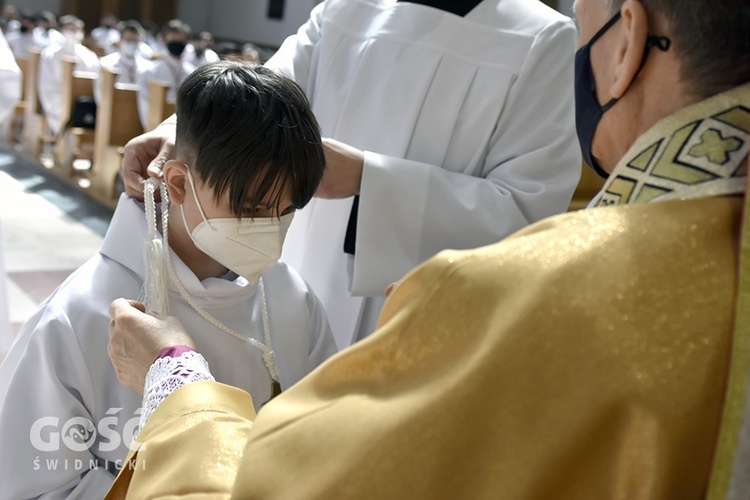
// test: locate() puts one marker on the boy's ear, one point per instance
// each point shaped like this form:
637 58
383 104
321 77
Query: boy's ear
175 178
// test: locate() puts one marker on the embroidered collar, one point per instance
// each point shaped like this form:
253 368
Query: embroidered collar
700 151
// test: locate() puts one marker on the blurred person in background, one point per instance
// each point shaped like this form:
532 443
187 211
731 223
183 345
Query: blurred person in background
20 41
51 67
12 18
199 51
129 61
46 33
171 69
228 50
251 54
106 35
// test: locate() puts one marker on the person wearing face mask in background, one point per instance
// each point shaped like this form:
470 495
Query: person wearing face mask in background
171 68
129 60
12 19
46 33
51 66
106 35
152 37
248 154
20 41
199 52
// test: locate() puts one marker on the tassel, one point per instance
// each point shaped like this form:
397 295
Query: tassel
155 291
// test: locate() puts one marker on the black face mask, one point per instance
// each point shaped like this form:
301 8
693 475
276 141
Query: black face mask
588 110
199 52
176 48
24 28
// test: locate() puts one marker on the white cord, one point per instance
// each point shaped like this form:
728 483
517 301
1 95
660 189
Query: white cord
269 358
155 292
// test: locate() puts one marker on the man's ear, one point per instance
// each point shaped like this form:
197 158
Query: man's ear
631 47
175 178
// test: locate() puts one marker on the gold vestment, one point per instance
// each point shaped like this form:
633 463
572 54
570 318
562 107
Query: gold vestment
585 357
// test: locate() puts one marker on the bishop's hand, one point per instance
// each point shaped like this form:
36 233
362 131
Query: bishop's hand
136 340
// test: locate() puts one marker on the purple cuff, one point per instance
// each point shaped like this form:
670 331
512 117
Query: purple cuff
175 351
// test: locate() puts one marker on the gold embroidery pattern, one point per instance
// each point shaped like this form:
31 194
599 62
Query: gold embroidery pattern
705 157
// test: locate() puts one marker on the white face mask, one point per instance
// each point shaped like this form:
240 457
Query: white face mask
73 37
129 48
247 247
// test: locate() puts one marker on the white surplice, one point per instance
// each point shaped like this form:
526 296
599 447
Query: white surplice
467 124
63 380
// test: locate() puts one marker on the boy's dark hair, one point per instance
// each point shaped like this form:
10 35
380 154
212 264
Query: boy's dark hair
244 127
711 38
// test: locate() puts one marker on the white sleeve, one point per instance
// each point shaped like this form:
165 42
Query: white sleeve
294 57
10 80
45 422
409 211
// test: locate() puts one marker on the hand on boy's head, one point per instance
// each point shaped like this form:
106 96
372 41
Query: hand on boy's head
145 156
136 339
343 173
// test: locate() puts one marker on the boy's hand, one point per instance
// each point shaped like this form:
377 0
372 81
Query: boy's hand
136 339
343 174
145 155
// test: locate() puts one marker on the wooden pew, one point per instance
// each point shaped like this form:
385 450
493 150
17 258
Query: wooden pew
76 142
34 123
159 108
116 123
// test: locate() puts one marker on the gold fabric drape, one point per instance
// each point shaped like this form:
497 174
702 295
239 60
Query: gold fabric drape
586 356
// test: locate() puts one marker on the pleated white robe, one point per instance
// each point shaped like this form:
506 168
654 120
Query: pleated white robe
467 125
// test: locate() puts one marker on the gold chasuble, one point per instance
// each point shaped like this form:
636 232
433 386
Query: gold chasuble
594 355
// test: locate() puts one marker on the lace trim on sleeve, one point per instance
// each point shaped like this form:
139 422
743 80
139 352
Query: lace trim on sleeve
168 374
